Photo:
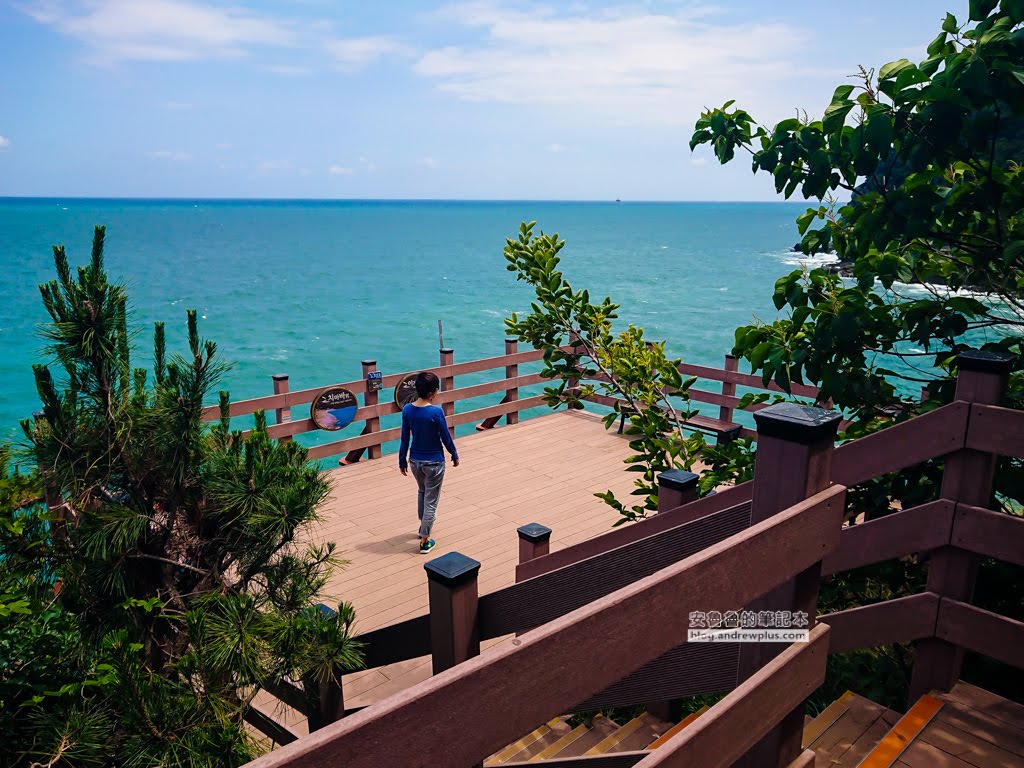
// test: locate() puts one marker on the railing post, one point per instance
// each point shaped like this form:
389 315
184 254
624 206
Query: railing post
448 382
452 591
793 461
282 415
511 371
534 541
728 388
371 398
967 478
675 488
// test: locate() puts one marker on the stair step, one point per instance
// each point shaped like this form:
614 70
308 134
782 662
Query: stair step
553 749
678 727
599 730
637 734
506 754
909 727
846 731
826 718
556 731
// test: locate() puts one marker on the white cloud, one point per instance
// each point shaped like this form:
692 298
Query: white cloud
171 154
555 148
367 164
428 162
4 142
339 170
161 30
697 160
355 53
626 64
289 70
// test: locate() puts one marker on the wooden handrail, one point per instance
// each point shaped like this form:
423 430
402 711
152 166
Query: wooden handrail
358 386
650 526
590 639
968 626
995 429
744 379
924 437
900 620
918 529
725 732
993 534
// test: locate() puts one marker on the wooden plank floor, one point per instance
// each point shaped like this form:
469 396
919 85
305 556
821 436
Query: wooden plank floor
542 470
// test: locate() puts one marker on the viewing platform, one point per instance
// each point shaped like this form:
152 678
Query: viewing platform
544 470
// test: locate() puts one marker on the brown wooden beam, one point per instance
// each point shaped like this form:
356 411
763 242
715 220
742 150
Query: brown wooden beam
994 429
918 529
900 620
651 526
968 626
988 533
933 434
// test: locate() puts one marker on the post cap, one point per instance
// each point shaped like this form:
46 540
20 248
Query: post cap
38 415
797 423
452 569
369 362
678 480
446 350
986 361
511 339
534 532
280 377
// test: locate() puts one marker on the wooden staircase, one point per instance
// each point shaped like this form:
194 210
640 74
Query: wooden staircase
557 739
965 728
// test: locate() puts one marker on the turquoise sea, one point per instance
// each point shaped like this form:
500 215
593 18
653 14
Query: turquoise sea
310 288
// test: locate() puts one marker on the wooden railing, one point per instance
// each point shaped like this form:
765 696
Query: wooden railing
378 404
372 437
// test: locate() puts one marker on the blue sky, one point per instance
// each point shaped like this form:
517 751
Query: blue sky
479 100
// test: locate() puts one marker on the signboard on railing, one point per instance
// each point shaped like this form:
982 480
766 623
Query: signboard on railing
333 409
374 381
405 390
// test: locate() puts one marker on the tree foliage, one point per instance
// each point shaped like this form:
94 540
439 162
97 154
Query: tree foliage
932 241
168 576
921 150
589 361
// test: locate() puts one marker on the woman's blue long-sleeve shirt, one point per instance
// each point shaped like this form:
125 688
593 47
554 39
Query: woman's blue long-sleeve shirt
429 430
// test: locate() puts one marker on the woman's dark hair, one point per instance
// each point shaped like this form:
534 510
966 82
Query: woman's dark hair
427 383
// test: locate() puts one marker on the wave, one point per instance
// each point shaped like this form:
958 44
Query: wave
803 260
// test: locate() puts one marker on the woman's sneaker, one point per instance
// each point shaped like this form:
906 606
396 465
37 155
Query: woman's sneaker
426 546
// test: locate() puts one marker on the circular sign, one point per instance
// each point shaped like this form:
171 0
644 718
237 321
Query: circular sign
405 390
333 409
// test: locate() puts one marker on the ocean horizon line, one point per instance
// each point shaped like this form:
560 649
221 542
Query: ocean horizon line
181 199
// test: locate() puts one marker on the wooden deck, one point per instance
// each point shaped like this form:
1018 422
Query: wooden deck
542 470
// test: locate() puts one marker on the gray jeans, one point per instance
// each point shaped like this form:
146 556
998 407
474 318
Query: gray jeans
429 476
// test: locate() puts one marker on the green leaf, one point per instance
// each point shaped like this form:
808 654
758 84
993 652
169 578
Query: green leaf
980 9
949 24
893 68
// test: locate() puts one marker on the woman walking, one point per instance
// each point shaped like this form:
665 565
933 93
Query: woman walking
424 423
